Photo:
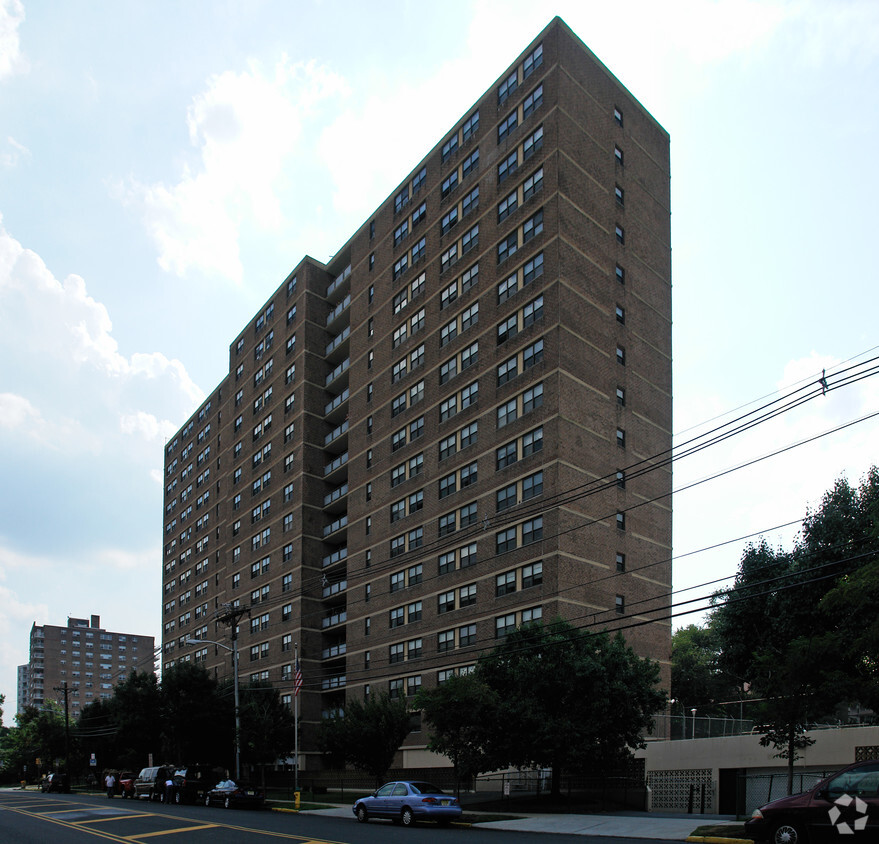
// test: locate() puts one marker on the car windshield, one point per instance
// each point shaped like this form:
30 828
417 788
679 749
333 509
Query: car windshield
425 788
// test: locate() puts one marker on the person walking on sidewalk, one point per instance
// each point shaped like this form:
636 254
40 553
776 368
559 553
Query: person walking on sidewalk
110 783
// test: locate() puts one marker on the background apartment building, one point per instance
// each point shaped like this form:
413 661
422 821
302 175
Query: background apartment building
458 425
85 658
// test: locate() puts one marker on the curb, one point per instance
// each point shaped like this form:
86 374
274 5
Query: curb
716 839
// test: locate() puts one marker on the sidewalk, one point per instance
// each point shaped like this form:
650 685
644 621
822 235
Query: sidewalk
633 825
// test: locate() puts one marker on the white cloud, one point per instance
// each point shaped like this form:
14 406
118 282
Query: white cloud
245 128
11 59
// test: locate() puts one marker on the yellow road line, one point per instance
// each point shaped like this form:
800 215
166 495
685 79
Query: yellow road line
127 817
173 831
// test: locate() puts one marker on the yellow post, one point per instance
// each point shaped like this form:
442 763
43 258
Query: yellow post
296 799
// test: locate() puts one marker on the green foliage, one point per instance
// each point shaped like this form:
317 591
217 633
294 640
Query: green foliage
267 725
696 678
462 713
368 734
550 696
38 734
800 627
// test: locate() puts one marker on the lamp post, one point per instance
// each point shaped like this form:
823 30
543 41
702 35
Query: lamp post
234 650
693 712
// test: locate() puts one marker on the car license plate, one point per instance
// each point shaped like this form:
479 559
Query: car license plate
444 802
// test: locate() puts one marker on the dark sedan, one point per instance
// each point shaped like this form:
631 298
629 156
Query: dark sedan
842 807
228 793
406 802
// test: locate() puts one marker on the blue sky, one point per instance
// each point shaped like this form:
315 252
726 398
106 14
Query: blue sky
164 165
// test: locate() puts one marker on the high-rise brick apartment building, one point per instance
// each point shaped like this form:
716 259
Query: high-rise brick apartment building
86 658
442 434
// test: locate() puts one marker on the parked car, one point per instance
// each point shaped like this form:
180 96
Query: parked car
406 802
150 782
228 793
125 783
55 782
842 807
191 783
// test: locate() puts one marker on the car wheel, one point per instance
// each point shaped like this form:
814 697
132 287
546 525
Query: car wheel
787 833
362 816
406 817
227 802
207 799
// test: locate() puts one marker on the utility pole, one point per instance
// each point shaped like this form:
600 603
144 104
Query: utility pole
63 688
230 616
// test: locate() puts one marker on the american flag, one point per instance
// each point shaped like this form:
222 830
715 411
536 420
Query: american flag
297 679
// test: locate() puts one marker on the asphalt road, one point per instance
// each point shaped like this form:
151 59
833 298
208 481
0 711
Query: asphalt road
30 817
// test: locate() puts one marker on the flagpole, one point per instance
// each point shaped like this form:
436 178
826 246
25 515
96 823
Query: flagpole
296 715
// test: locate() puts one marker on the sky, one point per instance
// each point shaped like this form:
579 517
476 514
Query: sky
160 160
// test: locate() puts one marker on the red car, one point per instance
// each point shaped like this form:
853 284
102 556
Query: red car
841 808
125 783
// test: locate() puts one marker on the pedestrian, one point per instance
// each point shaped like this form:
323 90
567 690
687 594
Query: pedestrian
110 783
169 790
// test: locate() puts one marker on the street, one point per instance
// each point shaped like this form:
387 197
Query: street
30 817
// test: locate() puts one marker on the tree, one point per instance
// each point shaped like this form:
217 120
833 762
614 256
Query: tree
368 734
462 712
696 678
554 696
137 712
38 734
800 626
267 726
197 722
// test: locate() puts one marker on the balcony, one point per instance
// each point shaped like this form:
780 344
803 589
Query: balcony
334 618
334 317
335 470
335 682
338 436
339 285
337 556
337 373
338 346
334 651
337 409
336 496
335 588
335 526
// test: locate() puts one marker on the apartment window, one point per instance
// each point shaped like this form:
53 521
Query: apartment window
470 316
532 61
621 604
397 617
504 625
621 562
467 595
618 155
532 102
507 206
471 124
621 521
505 498
449 183
470 202
400 266
448 221
400 300
532 227
621 274
621 315
532 575
620 234
418 181
419 214
533 143
446 602
471 162
507 247
449 257
418 250
450 147
532 184
619 195
621 438
617 116
445 641
507 87
395 653
507 125
508 166
621 397
414 648
505 584
448 408
621 356
400 232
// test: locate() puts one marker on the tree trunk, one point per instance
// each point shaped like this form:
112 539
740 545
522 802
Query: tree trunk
791 756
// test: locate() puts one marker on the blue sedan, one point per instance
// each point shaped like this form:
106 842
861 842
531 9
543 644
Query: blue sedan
407 802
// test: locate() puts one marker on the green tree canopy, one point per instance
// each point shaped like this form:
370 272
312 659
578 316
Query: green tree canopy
552 696
368 734
267 727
